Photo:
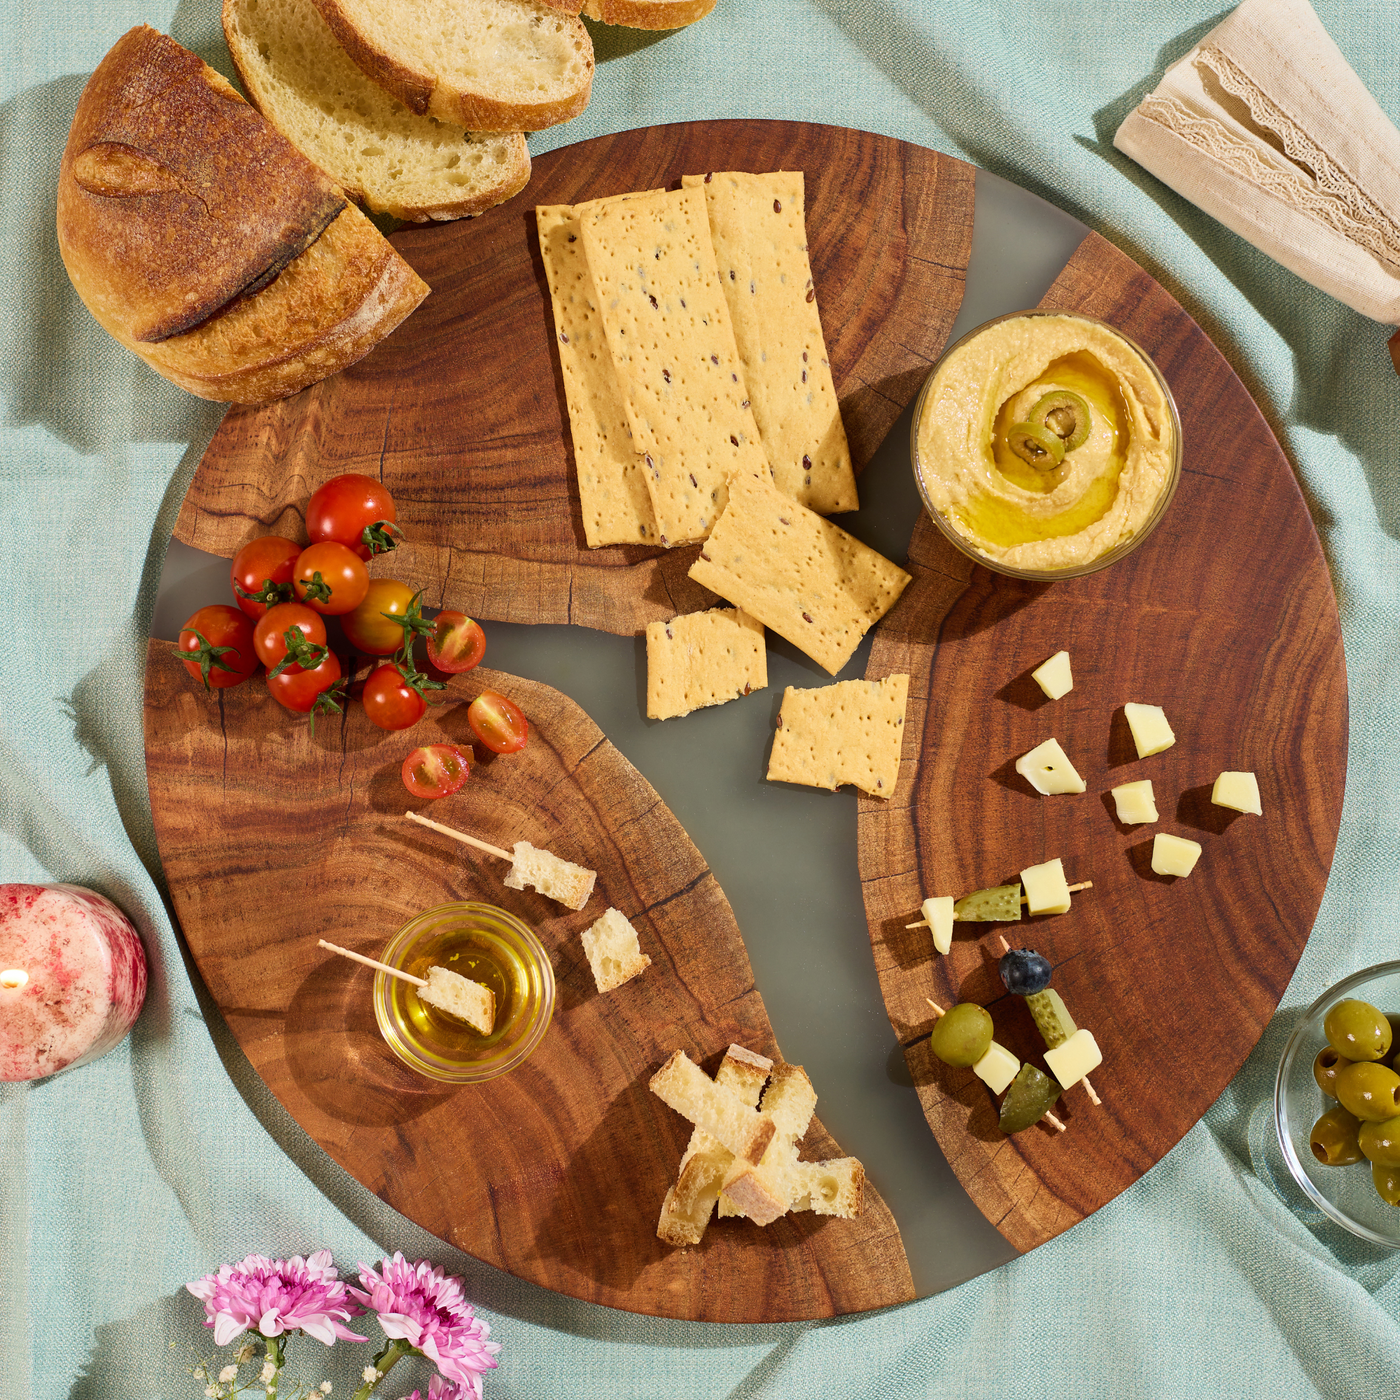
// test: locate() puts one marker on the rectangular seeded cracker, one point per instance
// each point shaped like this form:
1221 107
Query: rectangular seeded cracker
679 373
850 732
614 498
760 237
798 574
703 659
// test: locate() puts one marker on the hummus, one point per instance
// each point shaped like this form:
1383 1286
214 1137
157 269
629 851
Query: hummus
1104 491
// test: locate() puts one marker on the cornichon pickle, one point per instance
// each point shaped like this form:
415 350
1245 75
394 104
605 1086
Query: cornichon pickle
1052 1018
999 905
1335 1138
1387 1183
1326 1067
1036 445
962 1035
1065 414
1031 1095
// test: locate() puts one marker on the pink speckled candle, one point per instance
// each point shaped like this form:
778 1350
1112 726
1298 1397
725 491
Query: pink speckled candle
72 978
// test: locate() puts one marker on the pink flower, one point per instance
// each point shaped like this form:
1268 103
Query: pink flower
439 1389
272 1296
424 1307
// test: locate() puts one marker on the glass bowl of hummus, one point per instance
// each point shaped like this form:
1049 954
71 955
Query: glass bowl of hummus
1046 445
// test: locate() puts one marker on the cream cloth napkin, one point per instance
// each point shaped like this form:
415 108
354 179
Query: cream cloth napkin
1265 126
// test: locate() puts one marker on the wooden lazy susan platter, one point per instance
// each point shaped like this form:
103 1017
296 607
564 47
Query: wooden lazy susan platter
555 1173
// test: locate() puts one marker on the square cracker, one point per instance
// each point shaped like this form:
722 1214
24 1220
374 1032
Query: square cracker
614 498
703 659
760 239
850 732
801 575
678 370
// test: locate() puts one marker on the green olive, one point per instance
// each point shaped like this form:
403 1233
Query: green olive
962 1036
1370 1091
1387 1181
1334 1139
1380 1142
1357 1030
1065 414
1031 1096
1393 1021
1326 1068
1036 445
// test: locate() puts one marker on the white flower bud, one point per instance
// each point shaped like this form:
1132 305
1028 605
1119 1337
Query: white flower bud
325 1387
269 1370
228 1373
370 1375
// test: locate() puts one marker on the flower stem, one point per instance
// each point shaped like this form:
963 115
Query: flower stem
383 1364
276 1353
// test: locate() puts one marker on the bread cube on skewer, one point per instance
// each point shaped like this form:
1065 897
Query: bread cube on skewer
449 991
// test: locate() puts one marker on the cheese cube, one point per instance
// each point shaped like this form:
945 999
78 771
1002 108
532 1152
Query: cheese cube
1237 790
1151 732
1048 770
1174 855
1047 891
1053 676
939 913
1135 802
997 1068
1078 1056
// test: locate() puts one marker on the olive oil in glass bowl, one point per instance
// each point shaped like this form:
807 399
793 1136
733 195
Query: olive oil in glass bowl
484 944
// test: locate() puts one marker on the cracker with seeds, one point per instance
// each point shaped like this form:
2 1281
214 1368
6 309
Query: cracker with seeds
800 575
672 345
614 498
703 659
850 732
760 237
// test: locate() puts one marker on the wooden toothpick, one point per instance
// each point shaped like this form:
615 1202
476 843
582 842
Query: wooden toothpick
1025 899
370 962
461 836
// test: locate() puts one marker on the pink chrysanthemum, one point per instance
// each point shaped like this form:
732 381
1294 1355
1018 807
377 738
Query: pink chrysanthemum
272 1296
440 1389
424 1307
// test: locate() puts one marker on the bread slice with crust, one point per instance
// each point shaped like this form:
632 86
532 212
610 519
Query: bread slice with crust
648 14
382 155
492 65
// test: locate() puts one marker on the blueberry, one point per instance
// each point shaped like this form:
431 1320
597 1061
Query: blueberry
1024 972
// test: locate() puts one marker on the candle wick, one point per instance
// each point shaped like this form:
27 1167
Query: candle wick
13 978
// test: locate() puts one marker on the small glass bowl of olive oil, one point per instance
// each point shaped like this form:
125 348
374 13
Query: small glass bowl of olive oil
484 944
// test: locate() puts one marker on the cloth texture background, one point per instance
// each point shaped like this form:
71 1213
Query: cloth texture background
124 1179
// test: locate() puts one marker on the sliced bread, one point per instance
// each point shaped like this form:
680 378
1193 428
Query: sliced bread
492 65
381 154
648 14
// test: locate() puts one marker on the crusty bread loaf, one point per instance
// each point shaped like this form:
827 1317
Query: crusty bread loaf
259 337
490 65
648 14
381 154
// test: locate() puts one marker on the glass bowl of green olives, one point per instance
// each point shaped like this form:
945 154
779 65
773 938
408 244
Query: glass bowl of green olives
1337 1103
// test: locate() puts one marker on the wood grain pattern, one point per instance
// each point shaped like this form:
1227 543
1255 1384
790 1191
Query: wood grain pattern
1226 618
555 1172
461 412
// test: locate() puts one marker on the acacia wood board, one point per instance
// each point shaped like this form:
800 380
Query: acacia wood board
1226 618
461 412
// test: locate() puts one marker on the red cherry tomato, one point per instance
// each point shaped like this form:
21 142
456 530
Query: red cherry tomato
347 509
299 690
389 700
367 628
436 770
216 645
266 561
497 722
456 643
344 580
269 636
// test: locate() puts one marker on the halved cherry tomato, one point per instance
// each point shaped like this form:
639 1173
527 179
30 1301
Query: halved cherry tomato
389 700
347 509
456 643
216 645
330 578
263 568
436 770
497 722
367 628
269 636
299 690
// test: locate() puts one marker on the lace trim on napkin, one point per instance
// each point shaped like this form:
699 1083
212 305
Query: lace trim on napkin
1331 195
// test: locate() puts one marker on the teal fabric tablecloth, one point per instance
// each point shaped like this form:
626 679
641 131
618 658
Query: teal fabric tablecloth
120 1182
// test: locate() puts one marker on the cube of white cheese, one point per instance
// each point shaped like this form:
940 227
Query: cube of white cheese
1048 770
939 912
1047 891
1135 802
1053 676
997 1068
1174 855
1237 790
1151 732
1078 1056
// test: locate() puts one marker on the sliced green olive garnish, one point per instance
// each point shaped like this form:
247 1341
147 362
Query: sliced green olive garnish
1035 445
1065 414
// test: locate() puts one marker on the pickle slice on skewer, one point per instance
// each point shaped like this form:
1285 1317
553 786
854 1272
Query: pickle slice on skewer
1071 1052
1051 1017
1029 1099
1001 904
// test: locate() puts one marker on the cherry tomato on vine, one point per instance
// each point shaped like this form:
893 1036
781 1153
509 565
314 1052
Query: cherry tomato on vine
352 510
330 578
216 645
456 643
263 568
299 690
367 628
497 722
436 770
269 636
389 700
